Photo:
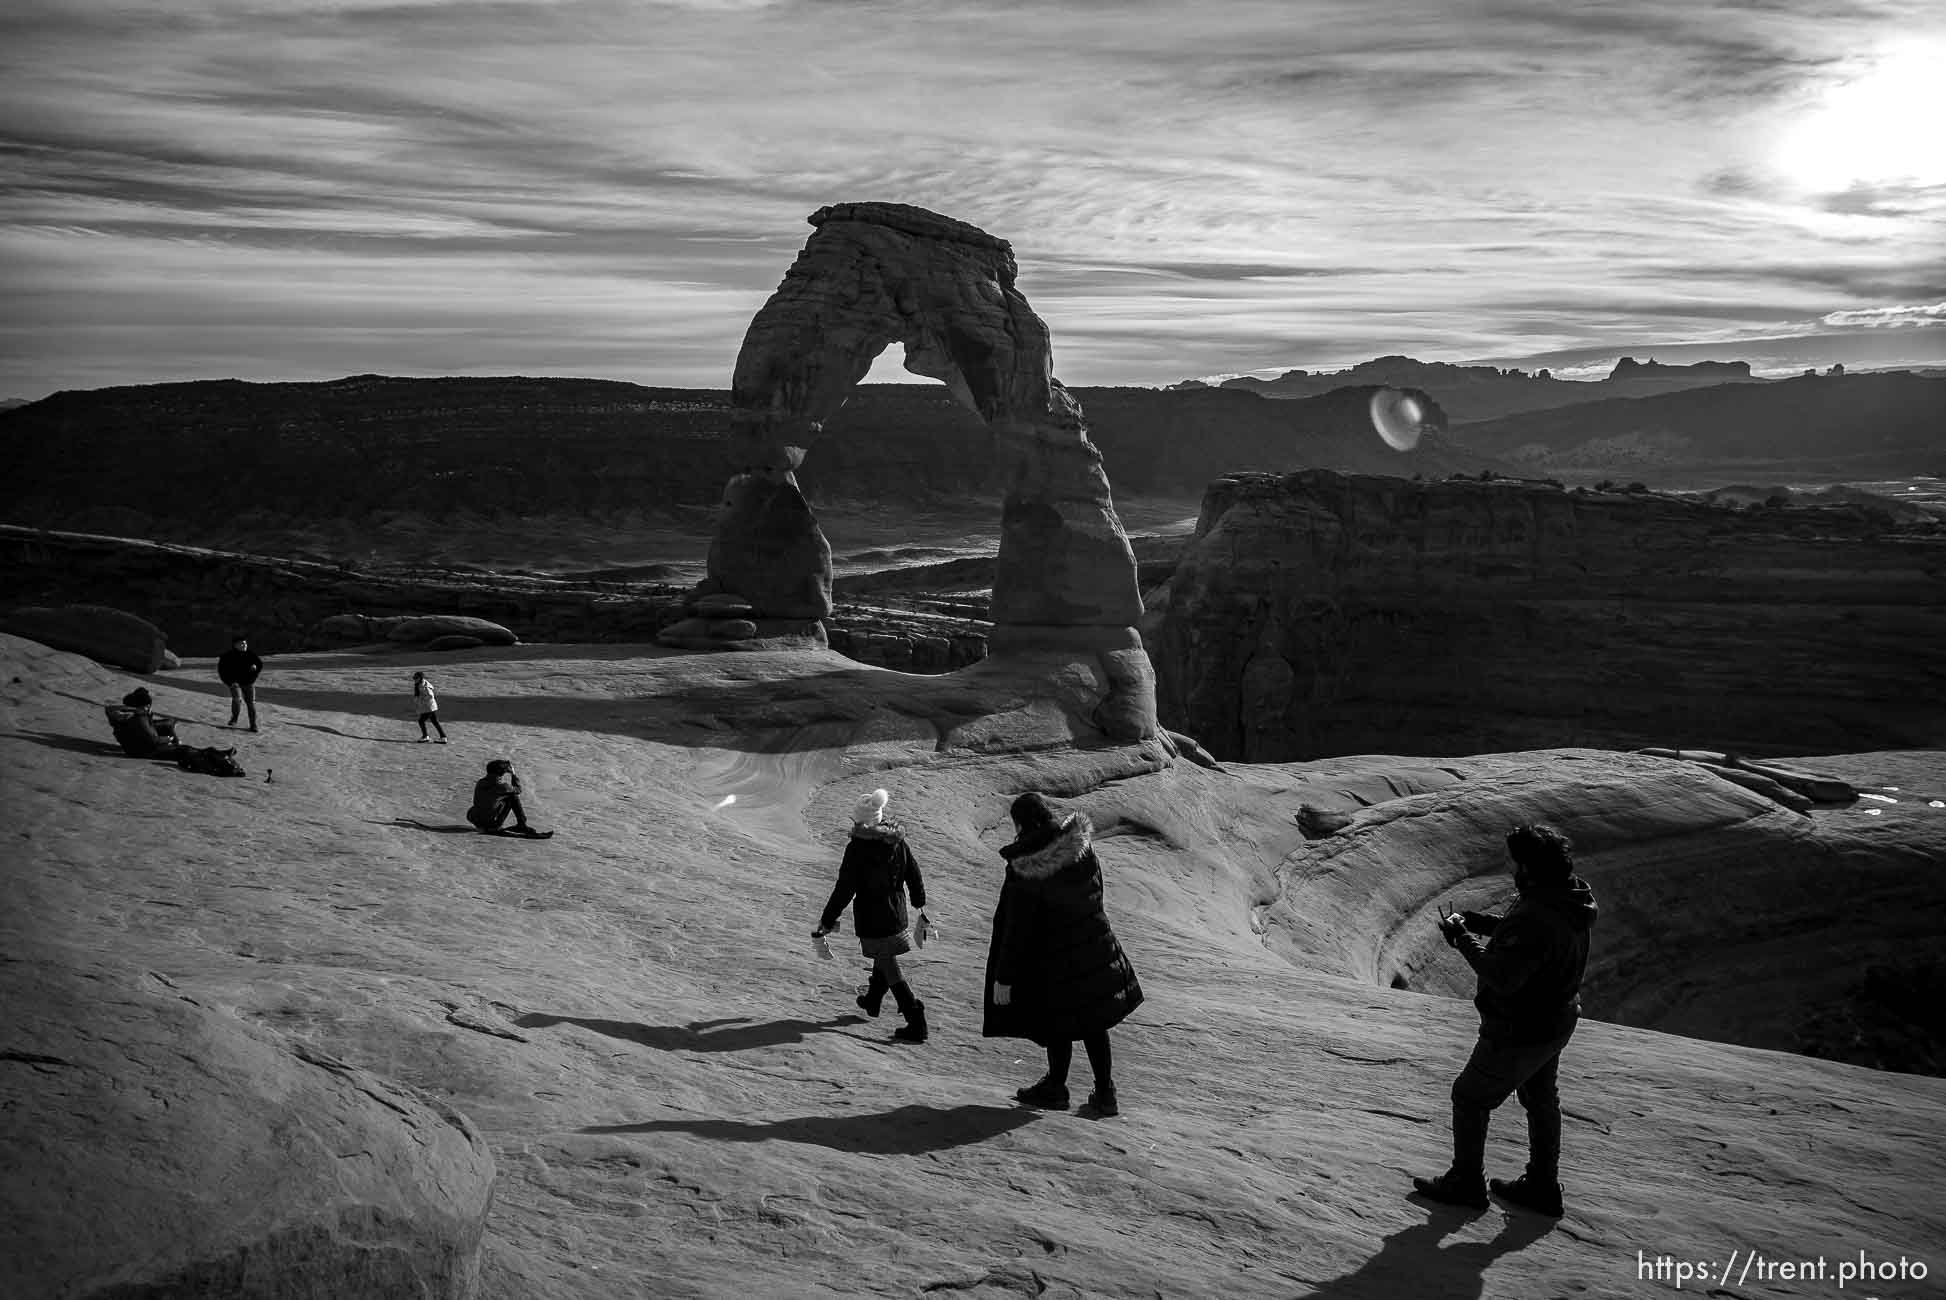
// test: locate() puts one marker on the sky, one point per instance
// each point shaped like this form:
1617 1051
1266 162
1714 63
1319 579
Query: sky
272 189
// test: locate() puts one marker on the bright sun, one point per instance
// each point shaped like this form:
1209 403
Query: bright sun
1882 127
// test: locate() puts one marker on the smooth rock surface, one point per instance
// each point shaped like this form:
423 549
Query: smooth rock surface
682 1100
156 1145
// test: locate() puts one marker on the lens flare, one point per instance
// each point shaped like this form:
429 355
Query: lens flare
724 802
1398 418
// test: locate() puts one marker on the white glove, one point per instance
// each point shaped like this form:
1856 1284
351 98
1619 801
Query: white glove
1003 994
821 946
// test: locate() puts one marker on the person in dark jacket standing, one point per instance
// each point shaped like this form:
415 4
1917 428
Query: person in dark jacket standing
1529 964
1055 972
238 668
877 875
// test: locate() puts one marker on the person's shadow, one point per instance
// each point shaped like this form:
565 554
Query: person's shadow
908 1130
734 1034
450 828
333 731
1411 1262
73 744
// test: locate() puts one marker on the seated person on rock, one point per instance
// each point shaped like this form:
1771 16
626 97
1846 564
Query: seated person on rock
496 796
141 733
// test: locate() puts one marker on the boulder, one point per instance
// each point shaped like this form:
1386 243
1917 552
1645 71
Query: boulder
107 636
426 627
170 661
454 642
157 1146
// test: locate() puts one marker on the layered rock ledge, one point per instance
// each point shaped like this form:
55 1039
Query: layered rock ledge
1319 613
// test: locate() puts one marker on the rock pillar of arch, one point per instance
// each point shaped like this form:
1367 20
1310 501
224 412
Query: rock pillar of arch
874 274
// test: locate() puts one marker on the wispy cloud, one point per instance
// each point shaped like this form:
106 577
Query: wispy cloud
1881 317
259 188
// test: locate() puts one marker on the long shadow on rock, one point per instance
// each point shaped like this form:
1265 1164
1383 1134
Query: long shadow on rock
792 710
451 828
1411 1262
733 1034
72 744
908 1130
333 731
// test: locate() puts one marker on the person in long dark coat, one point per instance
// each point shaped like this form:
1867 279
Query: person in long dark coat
1055 972
875 878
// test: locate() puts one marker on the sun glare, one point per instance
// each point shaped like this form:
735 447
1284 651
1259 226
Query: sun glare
1879 128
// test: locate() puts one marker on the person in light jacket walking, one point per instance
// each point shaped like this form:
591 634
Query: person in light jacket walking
428 706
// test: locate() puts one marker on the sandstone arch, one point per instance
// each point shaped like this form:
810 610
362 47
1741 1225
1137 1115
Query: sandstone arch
874 274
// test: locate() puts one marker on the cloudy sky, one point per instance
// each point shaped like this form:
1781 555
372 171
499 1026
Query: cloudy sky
303 190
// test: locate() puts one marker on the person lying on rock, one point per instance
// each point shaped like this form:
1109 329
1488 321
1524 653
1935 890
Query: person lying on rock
139 730
496 796
1529 964
1055 972
876 876
238 668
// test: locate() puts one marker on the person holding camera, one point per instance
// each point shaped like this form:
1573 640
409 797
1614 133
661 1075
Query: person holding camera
1530 963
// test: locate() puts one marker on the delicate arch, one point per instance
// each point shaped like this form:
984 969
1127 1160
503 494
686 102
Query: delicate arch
874 274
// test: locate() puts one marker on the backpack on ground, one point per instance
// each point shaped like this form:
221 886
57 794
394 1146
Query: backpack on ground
210 761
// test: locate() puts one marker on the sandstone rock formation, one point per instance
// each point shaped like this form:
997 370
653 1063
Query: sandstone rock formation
1319 613
874 274
159 1146
107 636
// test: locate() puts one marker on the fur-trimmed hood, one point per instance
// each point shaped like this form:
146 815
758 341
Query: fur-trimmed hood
888 832
1038 861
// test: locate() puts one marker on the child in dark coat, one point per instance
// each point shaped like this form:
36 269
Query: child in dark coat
876 877
1055 971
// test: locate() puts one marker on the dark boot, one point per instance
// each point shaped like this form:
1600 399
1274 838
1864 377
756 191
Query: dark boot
1046 1095
1454 1188
1102 1101
873 998
1465 1183
1530 1193
914 1011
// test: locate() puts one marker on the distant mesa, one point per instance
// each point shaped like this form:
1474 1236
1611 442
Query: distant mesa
1628 368
1471 393
874 274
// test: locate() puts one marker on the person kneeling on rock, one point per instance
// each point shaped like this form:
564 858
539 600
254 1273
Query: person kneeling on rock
876 876
496 796
1530 967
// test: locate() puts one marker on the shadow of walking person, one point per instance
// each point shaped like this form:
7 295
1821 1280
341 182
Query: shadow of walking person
908 1130
733 1034
1411 1262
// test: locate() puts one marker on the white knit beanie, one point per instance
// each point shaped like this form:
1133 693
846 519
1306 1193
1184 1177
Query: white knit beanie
869 808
